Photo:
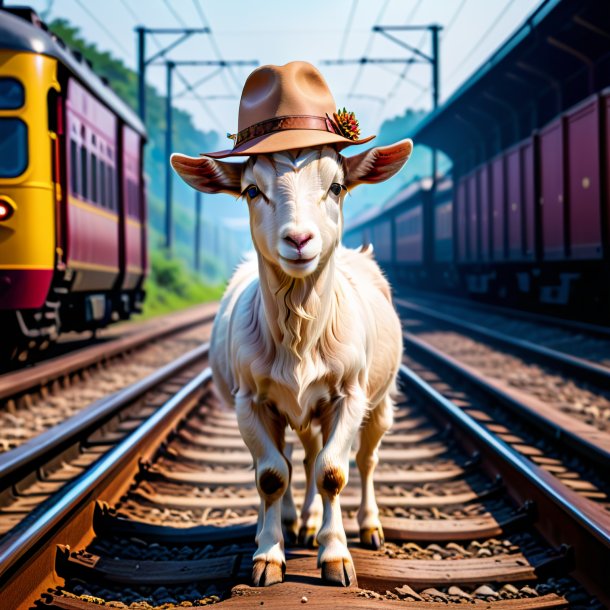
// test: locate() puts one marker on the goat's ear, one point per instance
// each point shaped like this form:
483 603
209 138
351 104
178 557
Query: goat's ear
377 164
208 175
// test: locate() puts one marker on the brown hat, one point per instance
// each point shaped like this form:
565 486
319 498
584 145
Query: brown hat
290 106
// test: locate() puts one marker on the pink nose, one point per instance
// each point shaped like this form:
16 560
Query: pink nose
298 240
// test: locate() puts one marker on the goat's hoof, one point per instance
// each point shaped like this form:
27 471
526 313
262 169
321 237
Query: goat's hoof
289 530
372 538
266 573
339 573
307 537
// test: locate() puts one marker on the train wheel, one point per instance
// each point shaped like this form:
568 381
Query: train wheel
28 334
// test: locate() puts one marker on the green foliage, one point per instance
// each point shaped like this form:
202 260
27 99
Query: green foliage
186 136
171 286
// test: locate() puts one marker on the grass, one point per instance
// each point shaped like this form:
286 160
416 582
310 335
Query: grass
171 286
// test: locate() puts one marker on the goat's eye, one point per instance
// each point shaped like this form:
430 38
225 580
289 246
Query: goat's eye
252 191
336 188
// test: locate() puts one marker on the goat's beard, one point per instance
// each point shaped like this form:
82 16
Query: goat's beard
299 307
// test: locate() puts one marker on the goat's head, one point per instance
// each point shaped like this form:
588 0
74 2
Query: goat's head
295 197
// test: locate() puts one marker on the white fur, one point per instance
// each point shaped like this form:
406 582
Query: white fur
314 346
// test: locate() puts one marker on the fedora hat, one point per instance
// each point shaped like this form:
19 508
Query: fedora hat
286 107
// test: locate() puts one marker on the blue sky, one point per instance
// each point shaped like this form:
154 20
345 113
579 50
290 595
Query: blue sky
271 31
274 32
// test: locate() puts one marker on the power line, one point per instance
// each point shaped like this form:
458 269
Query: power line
454 17
405 70
479 41
215 47
348 27
188 86
102 27
369 44
198 97
128 8
403 74
176 15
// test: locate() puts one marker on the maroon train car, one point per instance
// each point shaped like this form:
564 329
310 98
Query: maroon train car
96 220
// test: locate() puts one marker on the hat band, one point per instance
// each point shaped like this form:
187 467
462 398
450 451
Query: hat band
284 123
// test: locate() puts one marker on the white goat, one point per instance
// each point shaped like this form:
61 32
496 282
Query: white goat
306 336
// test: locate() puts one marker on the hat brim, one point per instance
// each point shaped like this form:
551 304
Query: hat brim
288 139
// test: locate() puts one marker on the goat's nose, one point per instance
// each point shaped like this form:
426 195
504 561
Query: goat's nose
298 240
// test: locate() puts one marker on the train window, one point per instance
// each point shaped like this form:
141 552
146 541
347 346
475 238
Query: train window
103 183
94 178
12 94
111 188
74 166
13 147
133 207
83 171
52 111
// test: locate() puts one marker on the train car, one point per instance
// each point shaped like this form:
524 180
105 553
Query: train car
395 231
72 206
529 201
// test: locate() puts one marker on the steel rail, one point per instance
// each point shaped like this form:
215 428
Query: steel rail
564 518
18 382
29 456
53 514
517 405
585 369
596 330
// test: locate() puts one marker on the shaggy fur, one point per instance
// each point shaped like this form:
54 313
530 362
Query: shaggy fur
315 346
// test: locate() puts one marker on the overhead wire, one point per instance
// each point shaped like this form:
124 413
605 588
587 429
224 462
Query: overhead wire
458 11
102 27
477 45
198 97
128 8
188 85
402 77
367 49
206 23
348 27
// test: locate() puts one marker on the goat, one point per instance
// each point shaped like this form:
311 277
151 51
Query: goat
306 336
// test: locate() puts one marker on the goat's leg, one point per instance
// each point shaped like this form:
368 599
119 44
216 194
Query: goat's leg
311 513
263 432
290 517
340 424
378 423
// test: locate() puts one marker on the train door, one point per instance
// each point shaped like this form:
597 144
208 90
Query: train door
584 200
56 133
529 198
473 217
497 208
462 221
484 211
514 204
551 190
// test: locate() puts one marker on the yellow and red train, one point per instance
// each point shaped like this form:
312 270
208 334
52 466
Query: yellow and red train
72 193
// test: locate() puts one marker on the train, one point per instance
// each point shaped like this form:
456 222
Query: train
522 219
73 231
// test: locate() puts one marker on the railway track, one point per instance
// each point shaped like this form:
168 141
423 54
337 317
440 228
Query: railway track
568 407
50 456
37 398
576 347
167 517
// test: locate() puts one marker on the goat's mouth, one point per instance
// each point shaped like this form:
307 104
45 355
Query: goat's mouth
298 261
299 267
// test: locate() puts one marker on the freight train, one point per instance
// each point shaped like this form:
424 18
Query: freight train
523 218
72 192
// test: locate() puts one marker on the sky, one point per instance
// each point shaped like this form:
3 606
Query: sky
274 32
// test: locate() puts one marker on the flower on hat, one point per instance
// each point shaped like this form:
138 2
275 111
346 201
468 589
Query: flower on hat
347 123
